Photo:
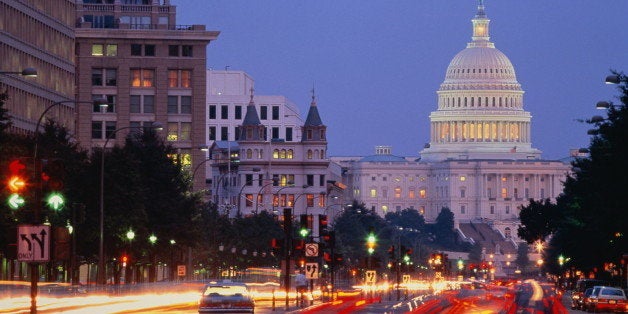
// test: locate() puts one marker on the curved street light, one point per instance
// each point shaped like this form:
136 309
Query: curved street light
26 72
101 247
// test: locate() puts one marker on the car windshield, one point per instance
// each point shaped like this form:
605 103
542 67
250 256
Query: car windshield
614 292
225 290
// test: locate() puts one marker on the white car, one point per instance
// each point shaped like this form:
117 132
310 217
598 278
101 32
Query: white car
226 297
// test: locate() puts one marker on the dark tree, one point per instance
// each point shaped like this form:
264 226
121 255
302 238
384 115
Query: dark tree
444 232
538 220
522 259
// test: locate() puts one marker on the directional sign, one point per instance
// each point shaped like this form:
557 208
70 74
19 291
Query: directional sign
33 243
406 278
311 249
371 275
311 270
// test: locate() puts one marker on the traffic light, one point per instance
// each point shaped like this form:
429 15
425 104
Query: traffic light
323 232
124 260
391 252
17 182
371 240
303 229
52 178
61 244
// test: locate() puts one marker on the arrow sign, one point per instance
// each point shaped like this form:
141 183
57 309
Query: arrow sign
16 201
311 270
34 243
370 276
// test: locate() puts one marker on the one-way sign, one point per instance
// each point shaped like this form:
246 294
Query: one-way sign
33 243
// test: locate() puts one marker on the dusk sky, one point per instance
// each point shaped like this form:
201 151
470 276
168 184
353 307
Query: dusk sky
376 65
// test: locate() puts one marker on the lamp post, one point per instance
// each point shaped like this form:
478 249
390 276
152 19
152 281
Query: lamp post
101 247
37 179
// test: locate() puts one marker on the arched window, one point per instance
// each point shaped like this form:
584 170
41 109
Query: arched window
316 153
282 154
256 153
507 233
249 153
290 154
275 153
309 154
322 154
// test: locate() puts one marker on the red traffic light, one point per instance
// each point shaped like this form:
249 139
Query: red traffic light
17 177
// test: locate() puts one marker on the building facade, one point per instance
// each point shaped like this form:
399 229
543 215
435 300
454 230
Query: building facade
47 45
150 69
479 162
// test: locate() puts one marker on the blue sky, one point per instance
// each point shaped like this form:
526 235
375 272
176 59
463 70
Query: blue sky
376 65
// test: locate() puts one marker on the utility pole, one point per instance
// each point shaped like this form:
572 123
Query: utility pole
287 228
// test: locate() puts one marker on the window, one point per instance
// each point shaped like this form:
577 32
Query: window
142 104
504 192
275 132
397 192
321 180
97 130
309 200
180 104
275 112
492 209
411 194
289 134
104 77
212 111
507 209
249 200
111 104
309 134
462 209
309 179
507 233
224 112
149 50
180 78
321 200
373 192
142 77
463 193
136 49
385 192
263 113
212 133
186 51
100 50
224 133
238 112
463 178
173 50
310 154
422 193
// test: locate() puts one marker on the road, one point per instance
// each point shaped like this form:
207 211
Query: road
526 297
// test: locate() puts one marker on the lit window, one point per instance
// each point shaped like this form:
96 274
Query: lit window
321 200
504 179
142 77
463 178
373 192
504 192
385 208
112 50
275 153
422 193
249 200
97 50
173 131
309 200
397 192
411 194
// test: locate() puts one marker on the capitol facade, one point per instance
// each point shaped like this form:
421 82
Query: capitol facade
479 162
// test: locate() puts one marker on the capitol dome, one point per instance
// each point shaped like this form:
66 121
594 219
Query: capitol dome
480 105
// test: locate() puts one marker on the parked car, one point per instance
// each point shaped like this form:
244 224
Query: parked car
605 298
577 298
226 297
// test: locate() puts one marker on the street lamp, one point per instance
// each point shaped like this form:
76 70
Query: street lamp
101 248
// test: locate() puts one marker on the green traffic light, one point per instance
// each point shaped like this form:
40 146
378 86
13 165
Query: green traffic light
371 238
304 232
15 201
55 201
406 258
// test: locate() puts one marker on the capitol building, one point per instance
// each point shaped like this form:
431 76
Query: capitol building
479 161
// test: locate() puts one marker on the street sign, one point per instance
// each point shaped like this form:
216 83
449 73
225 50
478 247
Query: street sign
311 249
370 276
406 278
181 270
311 270
33 243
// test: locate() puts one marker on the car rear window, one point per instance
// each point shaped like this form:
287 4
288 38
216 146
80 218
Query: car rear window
614 292
226 290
